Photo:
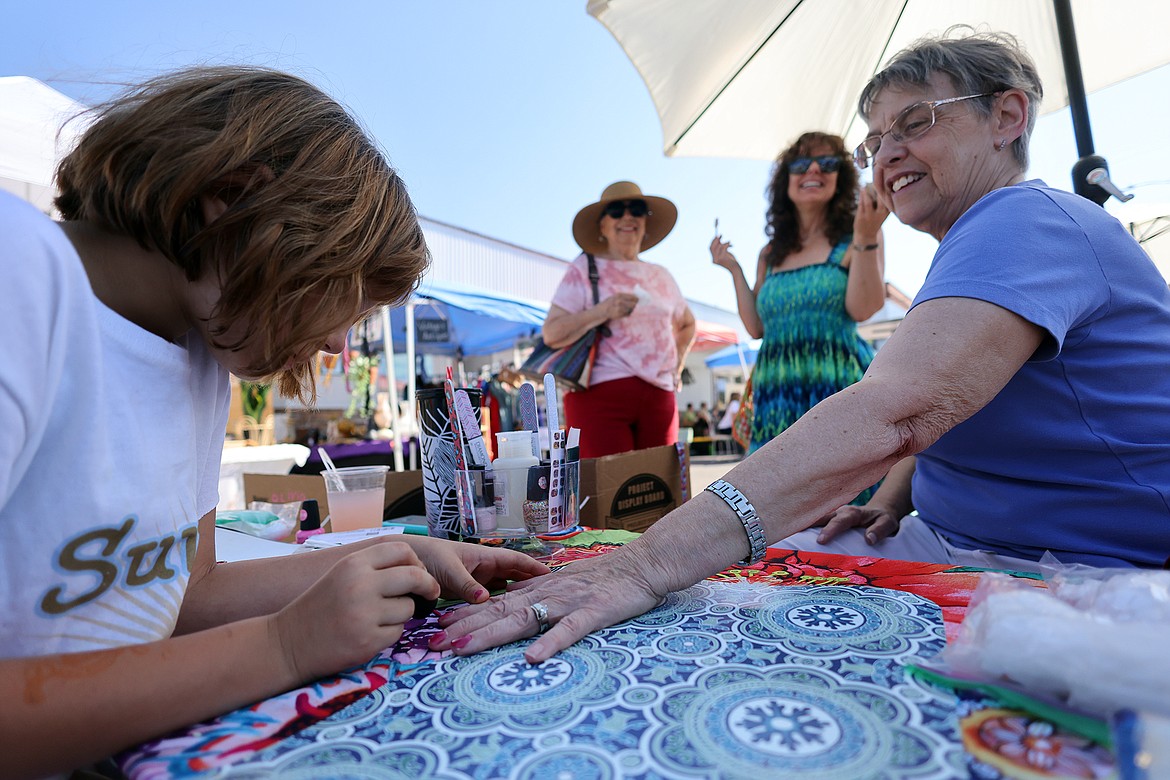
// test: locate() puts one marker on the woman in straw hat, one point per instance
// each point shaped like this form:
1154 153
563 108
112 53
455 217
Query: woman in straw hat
630 403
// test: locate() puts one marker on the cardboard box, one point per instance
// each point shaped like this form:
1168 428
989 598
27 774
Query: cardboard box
630 491
404 491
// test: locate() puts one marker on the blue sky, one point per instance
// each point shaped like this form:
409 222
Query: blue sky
506 117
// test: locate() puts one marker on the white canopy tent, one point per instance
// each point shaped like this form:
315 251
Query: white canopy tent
36 131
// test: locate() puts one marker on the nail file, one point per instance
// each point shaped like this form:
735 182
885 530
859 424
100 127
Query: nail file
529 418
552 413
453 417
465 512
556 454
476 448
477 457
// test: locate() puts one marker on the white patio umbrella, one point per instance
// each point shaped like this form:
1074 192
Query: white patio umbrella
743 78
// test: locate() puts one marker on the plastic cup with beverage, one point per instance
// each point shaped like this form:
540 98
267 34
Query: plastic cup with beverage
357 496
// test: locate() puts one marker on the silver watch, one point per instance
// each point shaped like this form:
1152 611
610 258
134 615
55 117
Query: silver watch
747 515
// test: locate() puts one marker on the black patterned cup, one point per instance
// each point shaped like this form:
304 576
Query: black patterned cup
438 460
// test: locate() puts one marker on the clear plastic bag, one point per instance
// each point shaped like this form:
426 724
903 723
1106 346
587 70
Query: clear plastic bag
1093 641
275 522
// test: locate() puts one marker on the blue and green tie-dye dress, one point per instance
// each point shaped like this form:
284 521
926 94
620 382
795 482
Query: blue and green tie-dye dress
811 348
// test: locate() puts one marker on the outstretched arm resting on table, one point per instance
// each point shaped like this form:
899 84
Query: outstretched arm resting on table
246 631
947 360
68 710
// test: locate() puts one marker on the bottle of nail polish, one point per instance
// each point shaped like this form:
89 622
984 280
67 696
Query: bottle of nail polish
310 520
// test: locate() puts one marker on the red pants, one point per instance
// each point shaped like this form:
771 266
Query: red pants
622 415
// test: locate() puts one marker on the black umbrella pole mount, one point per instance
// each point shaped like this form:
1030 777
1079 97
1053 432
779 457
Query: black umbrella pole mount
1090 174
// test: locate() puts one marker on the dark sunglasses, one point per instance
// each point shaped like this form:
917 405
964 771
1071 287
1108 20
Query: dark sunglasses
616 209
828 163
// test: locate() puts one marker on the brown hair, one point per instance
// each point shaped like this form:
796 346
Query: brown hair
317 220
783 226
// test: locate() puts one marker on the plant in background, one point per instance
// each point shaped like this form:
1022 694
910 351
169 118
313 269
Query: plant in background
361 375
254 397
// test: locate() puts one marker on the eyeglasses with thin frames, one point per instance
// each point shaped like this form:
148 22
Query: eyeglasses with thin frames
914 121
616 209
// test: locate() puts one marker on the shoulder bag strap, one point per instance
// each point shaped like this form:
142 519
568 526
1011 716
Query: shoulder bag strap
593 277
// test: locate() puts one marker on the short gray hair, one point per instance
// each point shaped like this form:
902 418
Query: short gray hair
975 62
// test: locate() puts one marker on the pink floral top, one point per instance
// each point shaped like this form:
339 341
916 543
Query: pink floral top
642 345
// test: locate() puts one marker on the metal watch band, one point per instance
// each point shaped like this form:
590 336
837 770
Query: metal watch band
747 515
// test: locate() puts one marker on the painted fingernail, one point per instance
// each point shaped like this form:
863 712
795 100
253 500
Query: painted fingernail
461 642
437 637
479 595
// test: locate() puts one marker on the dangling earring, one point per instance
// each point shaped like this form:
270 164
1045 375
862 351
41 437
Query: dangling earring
1002 145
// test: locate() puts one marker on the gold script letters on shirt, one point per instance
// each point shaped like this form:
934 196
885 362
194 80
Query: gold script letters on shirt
141 564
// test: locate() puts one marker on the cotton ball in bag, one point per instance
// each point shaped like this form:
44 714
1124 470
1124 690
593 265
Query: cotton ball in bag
1053 649
1119 594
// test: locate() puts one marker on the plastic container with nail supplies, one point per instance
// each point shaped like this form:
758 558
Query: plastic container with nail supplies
511 474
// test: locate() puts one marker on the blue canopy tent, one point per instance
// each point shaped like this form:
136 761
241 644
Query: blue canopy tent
741 356
454 321
446 319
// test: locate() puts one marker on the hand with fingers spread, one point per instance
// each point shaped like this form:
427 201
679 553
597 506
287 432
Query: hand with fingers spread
355 610
878 522
559 600
467 572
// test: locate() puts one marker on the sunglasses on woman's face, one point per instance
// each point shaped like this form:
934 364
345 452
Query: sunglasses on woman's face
616 209
828 163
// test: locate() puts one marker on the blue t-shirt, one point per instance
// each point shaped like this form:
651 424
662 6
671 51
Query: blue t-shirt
1073 455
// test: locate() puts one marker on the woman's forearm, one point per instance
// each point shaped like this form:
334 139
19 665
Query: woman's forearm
894 494
565 328
789 493
745 302
865 292
49 702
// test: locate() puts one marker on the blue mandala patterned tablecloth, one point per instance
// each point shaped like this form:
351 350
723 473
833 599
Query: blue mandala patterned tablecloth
724 680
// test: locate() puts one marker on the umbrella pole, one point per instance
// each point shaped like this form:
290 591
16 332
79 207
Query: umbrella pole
1070 56
411 385
392 381
1090 174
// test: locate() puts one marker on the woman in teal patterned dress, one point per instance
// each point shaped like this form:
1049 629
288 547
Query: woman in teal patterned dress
819 276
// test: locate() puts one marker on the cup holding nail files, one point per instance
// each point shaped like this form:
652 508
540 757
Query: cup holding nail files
466 513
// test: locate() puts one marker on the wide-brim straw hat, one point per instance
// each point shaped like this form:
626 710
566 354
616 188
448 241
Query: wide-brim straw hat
659 222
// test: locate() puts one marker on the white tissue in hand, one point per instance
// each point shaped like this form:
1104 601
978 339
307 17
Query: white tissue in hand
1052 648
